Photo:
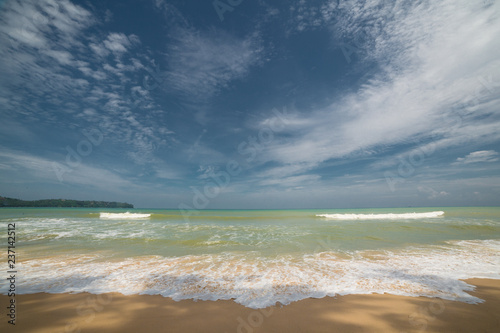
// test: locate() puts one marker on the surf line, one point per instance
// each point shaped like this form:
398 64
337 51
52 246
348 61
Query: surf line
388 216
126 215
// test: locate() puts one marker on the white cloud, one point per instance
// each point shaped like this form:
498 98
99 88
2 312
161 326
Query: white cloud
30 168
63 57
119 42
99 50
33 22
168 172
202 63
479 156
291 181
433 194
115 42
44 43
434 57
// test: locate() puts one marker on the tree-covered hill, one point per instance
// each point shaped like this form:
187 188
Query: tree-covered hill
11 202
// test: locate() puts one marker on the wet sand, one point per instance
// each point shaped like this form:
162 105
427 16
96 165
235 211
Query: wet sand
352 313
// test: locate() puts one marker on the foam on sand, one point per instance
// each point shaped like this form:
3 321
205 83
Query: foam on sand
126 215
258 282
389 216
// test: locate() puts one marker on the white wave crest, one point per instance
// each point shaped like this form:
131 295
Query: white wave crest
126 215
435 271
389 216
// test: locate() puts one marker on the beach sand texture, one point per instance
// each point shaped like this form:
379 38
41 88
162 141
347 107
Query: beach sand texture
113 312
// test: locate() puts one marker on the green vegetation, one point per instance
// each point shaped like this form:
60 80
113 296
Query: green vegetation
11 202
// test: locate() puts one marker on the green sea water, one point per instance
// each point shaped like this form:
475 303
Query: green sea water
257 257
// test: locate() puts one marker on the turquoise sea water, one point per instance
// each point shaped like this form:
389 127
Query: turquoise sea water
257 257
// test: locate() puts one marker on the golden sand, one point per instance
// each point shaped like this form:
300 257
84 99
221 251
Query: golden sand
352 313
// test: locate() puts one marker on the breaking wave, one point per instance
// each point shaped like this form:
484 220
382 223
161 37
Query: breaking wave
258 282
126 215
389 216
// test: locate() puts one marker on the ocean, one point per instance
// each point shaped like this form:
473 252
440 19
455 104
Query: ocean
256 257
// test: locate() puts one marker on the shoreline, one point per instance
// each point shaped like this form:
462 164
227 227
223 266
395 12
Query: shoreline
114 312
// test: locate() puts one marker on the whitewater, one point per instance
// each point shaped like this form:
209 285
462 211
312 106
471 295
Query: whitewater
257 257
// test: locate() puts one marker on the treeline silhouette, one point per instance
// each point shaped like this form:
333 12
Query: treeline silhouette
11 202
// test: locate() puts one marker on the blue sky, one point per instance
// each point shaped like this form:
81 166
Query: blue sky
251 104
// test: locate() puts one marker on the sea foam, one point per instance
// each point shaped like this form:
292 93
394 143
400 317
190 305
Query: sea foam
389 216
258 282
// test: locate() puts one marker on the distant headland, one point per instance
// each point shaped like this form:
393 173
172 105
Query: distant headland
11 202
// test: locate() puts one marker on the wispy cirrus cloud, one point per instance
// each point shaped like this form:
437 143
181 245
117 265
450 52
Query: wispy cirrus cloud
32 22
480 156
433 194
368 84
433 60
55 69
34 167
203 63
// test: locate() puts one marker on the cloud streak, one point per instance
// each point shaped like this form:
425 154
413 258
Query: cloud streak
201 64
433 58
55 70
369 85
35 167
480 156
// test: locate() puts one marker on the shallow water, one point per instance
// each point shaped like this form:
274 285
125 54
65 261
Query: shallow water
257 257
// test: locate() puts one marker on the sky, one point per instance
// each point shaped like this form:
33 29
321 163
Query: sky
251 104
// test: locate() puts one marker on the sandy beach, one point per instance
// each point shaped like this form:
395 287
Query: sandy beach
352 313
